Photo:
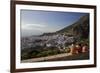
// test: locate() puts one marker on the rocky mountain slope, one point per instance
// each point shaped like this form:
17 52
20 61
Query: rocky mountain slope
81 28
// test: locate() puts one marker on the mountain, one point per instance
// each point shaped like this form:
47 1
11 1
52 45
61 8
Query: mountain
79 28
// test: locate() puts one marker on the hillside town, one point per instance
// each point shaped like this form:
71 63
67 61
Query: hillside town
58 40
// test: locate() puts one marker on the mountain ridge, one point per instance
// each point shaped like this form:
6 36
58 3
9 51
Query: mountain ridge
80 25
78 28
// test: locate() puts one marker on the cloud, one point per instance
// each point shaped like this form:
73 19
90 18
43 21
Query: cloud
33 26
37 25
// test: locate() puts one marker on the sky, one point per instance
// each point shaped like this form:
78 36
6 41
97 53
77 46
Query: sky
35 22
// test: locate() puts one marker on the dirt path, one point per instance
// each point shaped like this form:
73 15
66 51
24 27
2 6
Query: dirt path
47 58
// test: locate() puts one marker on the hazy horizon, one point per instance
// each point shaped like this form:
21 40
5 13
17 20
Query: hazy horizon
35 22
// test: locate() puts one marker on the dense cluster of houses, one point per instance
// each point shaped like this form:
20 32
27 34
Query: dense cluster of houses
57 40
